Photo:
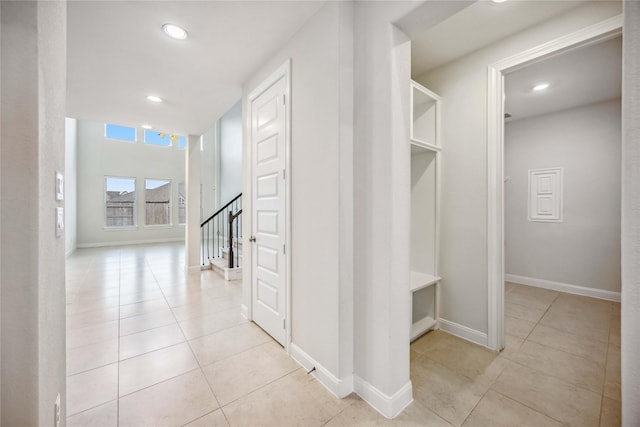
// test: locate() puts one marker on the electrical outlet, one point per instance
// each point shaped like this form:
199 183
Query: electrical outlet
57 411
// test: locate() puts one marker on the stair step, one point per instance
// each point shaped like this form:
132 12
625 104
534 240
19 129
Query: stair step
220 266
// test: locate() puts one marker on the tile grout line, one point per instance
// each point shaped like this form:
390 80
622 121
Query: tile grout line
553 348
118 382
192 352
528 406
299 368
545 373
606 363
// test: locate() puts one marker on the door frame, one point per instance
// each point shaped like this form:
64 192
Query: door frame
282 71
595 33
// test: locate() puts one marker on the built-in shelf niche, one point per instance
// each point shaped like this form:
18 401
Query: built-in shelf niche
424 116
425 154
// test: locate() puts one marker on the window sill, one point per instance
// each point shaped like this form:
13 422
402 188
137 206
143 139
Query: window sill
159 226
128 228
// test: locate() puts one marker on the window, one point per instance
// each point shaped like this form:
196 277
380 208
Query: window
164 139
157 198
182 204
120 132
120 202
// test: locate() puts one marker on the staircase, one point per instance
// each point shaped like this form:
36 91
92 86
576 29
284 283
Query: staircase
221 264
221 240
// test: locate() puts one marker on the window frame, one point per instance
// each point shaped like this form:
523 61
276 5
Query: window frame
135 205
135 134
170 223
184 185
172 144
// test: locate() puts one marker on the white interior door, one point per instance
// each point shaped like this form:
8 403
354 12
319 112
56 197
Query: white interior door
268 162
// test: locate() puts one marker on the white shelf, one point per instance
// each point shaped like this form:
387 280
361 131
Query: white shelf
423 145
424 115
426 146
421 280
421 326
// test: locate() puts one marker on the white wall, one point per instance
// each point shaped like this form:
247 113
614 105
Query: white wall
70 184
99 157
317 183
584 249
231 153
630 315
33 275
210 172
463 87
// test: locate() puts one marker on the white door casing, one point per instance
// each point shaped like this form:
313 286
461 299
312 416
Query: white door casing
495 158
269 153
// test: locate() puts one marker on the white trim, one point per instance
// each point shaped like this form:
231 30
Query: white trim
129 242
339 388
283 71
564 287
193 269
388 406
495 165
244 311
464 332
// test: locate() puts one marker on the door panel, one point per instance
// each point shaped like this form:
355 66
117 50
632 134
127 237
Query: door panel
268 125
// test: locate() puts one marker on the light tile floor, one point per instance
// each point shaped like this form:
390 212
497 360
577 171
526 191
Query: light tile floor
148 345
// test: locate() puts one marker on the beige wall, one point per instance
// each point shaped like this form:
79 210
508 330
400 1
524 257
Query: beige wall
584 249
99 157
316 183
71 185
630 316
33 274
463 87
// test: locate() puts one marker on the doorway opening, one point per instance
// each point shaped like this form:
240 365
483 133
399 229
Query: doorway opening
594 34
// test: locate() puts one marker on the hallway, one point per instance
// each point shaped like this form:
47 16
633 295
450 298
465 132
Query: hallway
147 345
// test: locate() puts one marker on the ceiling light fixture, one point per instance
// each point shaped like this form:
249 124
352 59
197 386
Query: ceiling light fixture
148 127
498 1
154 98
174 31
540 87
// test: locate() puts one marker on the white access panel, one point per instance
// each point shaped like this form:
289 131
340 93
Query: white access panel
545 194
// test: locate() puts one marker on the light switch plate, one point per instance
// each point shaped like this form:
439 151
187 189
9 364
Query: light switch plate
59 221
59 186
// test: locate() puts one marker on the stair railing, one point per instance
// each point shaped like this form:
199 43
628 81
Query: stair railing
232 218
215 232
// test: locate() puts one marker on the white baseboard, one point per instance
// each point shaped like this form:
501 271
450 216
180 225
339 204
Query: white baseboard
192 268
464 332
244 311
338 387
128 242
564 287
389 406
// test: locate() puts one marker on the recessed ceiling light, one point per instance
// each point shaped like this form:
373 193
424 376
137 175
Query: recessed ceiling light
148 127
498 1
154 98
540 87
174 31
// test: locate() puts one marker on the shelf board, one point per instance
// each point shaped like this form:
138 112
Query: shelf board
421 326
424 91
424 145
418 281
